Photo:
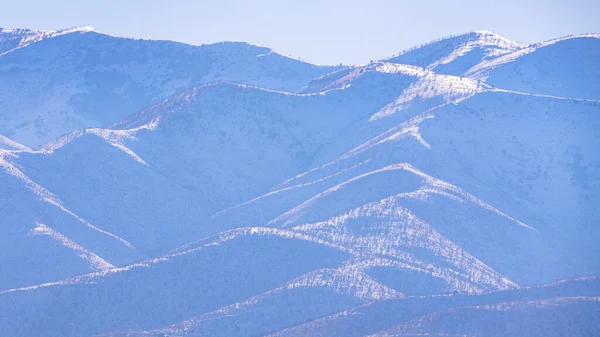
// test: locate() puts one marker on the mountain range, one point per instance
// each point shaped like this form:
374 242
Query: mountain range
154 188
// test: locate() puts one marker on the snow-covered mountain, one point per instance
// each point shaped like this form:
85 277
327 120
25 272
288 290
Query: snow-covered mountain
56 82
534 69
227 190
455 55
565 67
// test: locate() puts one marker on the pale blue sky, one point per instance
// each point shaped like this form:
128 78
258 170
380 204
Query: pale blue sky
325 31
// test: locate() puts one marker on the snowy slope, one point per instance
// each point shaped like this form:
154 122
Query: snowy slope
387 316
13 39
563 316
168 289
43 239
566 67
165 171
404 226
9 144
542 174
455 55
60 81
574 303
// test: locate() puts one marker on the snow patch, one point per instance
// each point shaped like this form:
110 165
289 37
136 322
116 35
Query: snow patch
94 260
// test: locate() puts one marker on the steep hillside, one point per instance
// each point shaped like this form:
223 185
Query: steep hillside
153 291
492 146
164 172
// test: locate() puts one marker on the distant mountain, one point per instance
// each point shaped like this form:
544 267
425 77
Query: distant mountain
456 54
226 190
59 81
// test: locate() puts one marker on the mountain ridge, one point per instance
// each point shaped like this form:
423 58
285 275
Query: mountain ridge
237 192
86 79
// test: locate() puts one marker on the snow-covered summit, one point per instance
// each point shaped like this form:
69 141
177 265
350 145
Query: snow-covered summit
11 39
454 55
82 78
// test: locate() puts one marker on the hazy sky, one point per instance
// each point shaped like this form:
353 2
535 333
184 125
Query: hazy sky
321 31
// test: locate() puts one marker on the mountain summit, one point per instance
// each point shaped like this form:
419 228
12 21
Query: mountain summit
455 55
82 78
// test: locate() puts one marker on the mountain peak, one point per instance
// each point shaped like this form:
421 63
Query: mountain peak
47 31
455 54
484 32
80 29
12 39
